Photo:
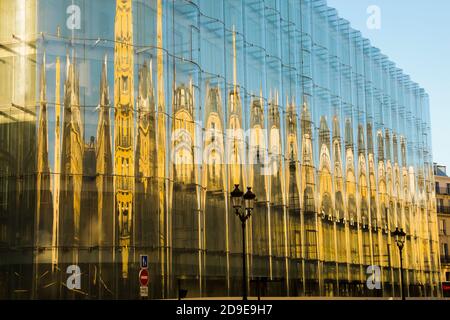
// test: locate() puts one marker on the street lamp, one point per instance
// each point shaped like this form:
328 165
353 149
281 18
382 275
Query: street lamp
400 237
237 197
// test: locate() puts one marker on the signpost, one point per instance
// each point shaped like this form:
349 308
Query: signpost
144 277
144 261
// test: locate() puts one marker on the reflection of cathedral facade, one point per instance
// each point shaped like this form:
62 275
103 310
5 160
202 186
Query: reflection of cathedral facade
132 142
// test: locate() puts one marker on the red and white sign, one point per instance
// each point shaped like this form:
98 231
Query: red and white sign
144 277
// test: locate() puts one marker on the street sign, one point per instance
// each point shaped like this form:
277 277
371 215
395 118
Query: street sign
144 277
144 261
144 291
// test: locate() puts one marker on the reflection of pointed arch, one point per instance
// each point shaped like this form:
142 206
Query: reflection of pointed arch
257 150
183 135
325 181
183 157
308 183
213 155
350 173
235 138
338 177
291 128
275 150
363 184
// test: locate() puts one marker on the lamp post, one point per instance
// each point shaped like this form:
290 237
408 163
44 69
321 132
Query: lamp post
400 237
237 197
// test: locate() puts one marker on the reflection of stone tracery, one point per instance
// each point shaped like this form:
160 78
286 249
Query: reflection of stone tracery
213 155
183 134
124 127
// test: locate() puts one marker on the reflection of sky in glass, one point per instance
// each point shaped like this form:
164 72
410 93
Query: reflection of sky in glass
413 32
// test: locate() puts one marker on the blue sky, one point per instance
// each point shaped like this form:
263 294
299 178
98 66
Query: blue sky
415 34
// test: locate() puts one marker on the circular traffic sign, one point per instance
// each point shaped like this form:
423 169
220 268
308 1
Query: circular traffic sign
143 277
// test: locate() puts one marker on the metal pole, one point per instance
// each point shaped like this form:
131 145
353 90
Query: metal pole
244 271
401 274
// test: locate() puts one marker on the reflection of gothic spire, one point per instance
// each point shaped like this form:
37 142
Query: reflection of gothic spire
43 83
104 168
183 99
257 113
234 62
370 138
306 119
388 144
324 132
42 136
380 146
337 144
234 96
44 211
361 139
291 130
336 128
395 147
291 116
213 101
104 88
57 167
348 134
234 121
274 113
72 163
403 150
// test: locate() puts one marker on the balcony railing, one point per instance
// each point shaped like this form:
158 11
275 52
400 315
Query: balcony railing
443 209
445 258
443 190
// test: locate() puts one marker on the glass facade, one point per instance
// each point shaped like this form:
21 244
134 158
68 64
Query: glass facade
125 124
